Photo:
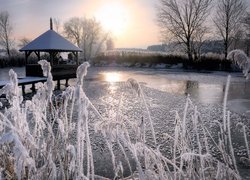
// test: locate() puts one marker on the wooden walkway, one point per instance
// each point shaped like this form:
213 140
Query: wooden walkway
25 81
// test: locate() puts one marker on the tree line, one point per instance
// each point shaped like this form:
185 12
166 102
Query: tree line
187 23
190 23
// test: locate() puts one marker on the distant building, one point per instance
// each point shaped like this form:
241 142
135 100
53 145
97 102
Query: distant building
215 46
158 47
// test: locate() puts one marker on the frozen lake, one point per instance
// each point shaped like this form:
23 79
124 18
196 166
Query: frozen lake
207 88
165 91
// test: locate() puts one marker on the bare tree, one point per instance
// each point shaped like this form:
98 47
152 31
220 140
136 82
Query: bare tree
110 44
228 20
5 31
73 29
87 34
91 32
198 41
247 32
183 19
57 24
23 42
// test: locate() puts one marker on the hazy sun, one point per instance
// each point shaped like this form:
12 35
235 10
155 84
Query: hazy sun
113 17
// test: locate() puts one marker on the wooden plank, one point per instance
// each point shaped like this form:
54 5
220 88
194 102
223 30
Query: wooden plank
31 79
3 83
25 81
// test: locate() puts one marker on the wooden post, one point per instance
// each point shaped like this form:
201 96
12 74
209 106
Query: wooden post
37 54
67 82
23 89
51 24
76 57
77 60
27 54
51 58
58 84
33 88
26 58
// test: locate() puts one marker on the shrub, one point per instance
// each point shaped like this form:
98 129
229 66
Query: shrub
206 62
12 61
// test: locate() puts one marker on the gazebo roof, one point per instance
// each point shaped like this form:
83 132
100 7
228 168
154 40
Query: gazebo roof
51 41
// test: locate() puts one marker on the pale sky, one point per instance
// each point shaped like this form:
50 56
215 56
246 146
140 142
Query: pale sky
133 22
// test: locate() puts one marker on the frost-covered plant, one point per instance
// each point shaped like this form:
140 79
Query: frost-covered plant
245 160
33 131
136 86
240 58
48 137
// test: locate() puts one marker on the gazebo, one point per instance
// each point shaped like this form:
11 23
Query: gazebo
51 43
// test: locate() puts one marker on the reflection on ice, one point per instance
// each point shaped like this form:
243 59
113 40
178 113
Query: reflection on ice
112 77
206 93
170 86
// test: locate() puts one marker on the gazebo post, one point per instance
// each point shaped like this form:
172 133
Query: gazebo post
26 57
58 84
77 60
76 57
27 54
51 58
37 54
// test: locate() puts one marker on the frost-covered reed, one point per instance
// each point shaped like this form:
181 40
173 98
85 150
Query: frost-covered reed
240 58
48 137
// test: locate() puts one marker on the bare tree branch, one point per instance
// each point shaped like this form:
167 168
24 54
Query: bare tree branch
23 42
87 34
5 31
184 19
57 24
228 20
246 22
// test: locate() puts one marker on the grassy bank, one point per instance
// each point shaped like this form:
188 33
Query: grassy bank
206 62
150 60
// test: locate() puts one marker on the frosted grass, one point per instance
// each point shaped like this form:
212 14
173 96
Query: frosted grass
48 137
